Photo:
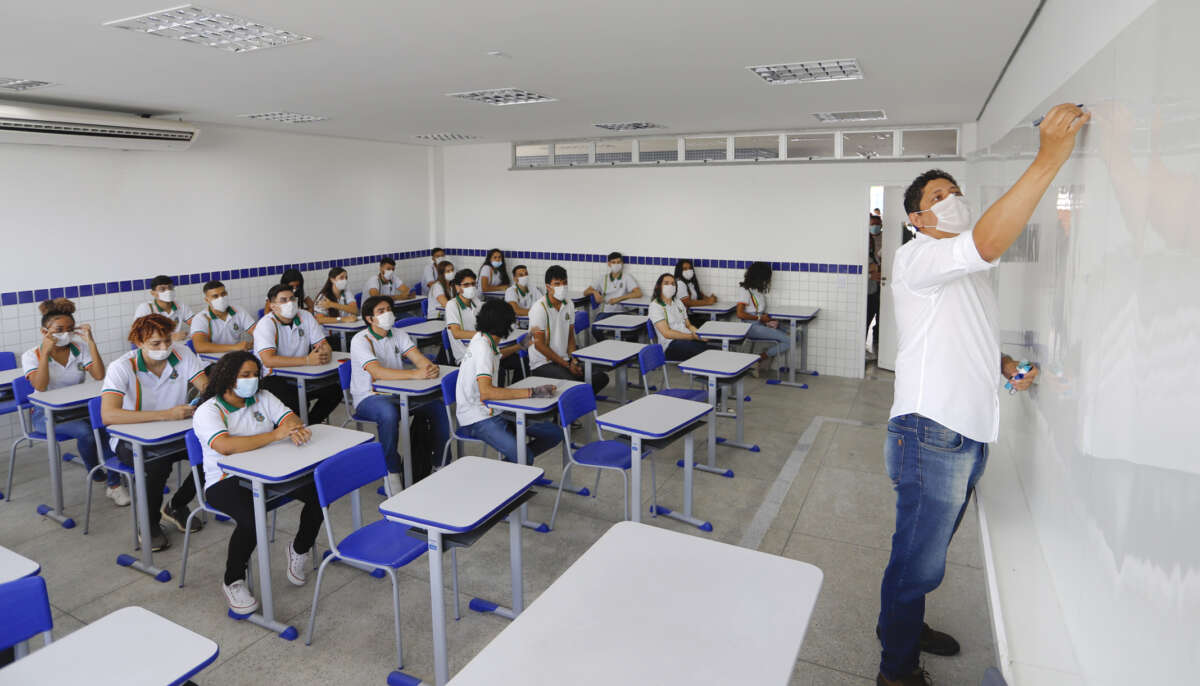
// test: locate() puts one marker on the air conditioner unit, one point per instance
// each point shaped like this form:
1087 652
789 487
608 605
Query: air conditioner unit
45 125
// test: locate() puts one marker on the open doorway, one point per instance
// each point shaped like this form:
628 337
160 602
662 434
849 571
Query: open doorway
874 275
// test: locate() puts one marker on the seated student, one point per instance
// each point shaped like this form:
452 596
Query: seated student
521 296
480 367
287 336
385 282
493 275
220 328
334 302
752 307
440 292
432 269
377 353
552 328
460 323
612 289
150 384
237 417
690 292
162 290
293 278
67 356
676 334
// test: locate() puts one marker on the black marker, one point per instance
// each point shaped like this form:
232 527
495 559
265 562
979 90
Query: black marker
1038 121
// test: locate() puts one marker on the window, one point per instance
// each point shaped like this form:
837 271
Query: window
810 146
658 150
533 155
705 148
756 148
567 154
614 152
931 143
867 144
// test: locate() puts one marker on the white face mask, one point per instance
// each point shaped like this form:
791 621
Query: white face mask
560 292
219 304
522 280
62 340
668 290
387 274
288 310
616 267
166 296
246 387
497 263
439 258
449 275
468 292
340 284
385 320
689 274
157 355
953 215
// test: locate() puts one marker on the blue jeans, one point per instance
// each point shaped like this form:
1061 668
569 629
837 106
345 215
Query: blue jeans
762 332
933 470
384 410
499 433
81 431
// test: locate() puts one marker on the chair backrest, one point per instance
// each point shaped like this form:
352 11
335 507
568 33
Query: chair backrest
650 358
446 345
261 312
7 360
425 308
195 452
25 607
450 388
651 332
22 388
417 289
358 300
344 370
96 417
190 346
349 471
582 320
574 403
408 321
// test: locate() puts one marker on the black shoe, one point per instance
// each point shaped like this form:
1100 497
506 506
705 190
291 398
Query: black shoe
918 678
158 539
937 643
178 517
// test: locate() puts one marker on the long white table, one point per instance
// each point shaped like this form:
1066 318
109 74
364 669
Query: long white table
621 323
717 309
725 332
310 372
798 318
426 331
640 607
406 390
15 566
347 330
729 367
610 353
60 400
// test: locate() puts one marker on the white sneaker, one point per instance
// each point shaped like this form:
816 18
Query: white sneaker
118 494
395 483
241 600
298 566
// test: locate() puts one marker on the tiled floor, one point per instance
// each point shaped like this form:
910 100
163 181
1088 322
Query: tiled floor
837 514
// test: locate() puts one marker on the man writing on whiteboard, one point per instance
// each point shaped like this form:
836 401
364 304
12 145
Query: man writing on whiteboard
948 367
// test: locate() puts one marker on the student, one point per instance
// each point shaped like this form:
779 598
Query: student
493 276
237 417
480 367
521 296
432 269
162 292
287 336
220 328
552 328
752 307
676 334
377 353
295 279
60 361
461 313
386 282
613 288
150 384
690 292
440 290
334 302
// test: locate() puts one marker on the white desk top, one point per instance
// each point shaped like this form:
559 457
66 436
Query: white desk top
67 396
620 321
356 325
653 416
14 566
792 311
313 370
637 303
611 618
429 327
172 653
7 376
576 296
534 405
718 363
210 357
461 496
149 433
719 307
414 386
494 294
735 330
284 461
504 343
609 351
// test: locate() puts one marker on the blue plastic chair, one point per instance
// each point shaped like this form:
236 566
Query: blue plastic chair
190 346
425 308
446 346
382 544
344 372
449 398
358 300
108 462
583 322
653 357
8 361
574 403
417 289
25 607
22 389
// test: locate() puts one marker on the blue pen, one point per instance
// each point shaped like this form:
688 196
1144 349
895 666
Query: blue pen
1038 121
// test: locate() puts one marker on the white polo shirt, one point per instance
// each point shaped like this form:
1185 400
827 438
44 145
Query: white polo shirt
179 313
948 357
429 273
493 275
367 346
461 312
143 391
73 373
225 331
556 323
481 358
610 286
755 301
384 287
434 291
523 298
294 339
215 417
675 314
692 292
322 304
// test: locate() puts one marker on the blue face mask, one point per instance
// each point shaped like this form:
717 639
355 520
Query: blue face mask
875 229
246 387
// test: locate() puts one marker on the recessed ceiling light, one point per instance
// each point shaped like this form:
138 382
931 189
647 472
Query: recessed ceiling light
22 84
215 29
809 72
289 117
503 96
446 137
630 126
856 115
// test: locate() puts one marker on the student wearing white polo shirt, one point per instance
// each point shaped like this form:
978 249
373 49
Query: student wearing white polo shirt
440 290
150 384
288 336
377 353
334 302
614 287
432 269
689 291
162 292
480 367
237 417
676 334
220 327
521 295
752 307
385 281
461 311
493 274
552 328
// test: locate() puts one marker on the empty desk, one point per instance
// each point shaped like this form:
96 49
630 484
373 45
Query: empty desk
728 367
797 318
59 401
311 373
725 332
610 353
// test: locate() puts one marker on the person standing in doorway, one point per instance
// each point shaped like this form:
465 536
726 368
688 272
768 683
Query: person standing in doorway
874 276
946 408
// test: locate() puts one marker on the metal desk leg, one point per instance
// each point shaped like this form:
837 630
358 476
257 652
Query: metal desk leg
712 436
689 451
518 589
302 396
146 564
635 479
740 418
441 666
622 374
405 442
523 458
799 331
56 489
266 616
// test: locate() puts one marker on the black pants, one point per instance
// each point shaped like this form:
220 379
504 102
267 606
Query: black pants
553 371
684 350
158 468
237 501
697 319
327 398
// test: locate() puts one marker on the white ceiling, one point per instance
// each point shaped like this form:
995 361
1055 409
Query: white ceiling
380 69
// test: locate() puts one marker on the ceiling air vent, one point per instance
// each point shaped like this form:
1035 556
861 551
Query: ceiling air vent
46 125
22 84
446 137
503 96
630 126
287 117
211 28
856 115
809 72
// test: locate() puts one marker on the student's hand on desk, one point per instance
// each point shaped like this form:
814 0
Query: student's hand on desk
614 301
347 318
180 412
430 372
244 345
320 356
543 391
575 368
179 336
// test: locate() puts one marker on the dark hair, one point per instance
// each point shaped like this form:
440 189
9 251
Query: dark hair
460 275
211 285
387 260
757 277
277 289
695 280
658 286
555 271
161 280
874 220
369 305
504 281
146 326
294 275
912 195
223 374
614 255
434 251
58 307
520 266
441 276
495 318
327 289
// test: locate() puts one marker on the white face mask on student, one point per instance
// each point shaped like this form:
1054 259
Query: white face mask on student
387 274
668 290
560 292
157 355
385 320
62 340
449 275
953 214
522 281
219 304
496 263
689 274
246 387
340 284
468 292
288 310
616 267
166 296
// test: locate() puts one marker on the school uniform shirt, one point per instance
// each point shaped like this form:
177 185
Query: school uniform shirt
143 391
293 339
262 413
322 304
435 291
429 273
73 373
948 355
461 312
675 314
610 286
755 301
384 287
693 293
179 313
491 273
227 331
481 358
367 346
556 323
523 298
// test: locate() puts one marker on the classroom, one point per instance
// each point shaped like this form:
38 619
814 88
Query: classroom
573 344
